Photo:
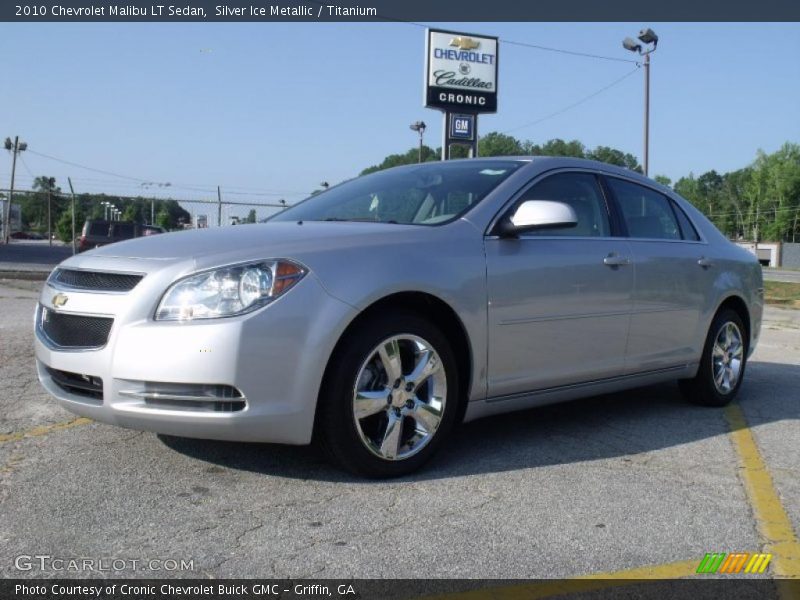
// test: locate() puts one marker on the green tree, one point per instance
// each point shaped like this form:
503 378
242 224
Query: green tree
499 144
163 219
613 156
663 180
408 158
251 216
64 224
557 147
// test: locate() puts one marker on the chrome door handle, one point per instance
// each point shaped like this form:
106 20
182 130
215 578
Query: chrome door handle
705 262
613 260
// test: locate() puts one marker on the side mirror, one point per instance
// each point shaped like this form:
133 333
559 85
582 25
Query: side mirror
538 214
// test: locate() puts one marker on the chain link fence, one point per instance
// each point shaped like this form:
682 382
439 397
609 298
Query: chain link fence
48 215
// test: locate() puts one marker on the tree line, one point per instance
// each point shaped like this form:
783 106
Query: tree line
758 202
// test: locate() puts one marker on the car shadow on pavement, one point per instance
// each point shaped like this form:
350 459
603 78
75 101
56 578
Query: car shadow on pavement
611 426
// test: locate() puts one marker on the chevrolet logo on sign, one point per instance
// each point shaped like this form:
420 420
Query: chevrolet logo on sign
465 43
59 300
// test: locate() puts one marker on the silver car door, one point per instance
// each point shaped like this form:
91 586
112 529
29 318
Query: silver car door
673 277
559 300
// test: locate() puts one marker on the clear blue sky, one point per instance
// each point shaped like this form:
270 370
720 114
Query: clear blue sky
277 108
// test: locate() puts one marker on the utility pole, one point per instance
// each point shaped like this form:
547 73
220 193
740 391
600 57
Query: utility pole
646 112
72 192
419 127
152 211
15 148
649 38
49 221
219 207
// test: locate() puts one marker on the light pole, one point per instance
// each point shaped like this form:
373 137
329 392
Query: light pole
15 148
148 185
106 204
419 127
647 36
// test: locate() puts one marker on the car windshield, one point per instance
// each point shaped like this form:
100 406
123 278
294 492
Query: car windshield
425 194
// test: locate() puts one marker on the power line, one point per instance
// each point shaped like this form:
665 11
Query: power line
570 52
192 187
574 104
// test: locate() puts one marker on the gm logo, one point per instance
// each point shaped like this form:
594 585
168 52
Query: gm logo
462 127
59 300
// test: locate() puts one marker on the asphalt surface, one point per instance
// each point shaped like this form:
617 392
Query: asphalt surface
599 485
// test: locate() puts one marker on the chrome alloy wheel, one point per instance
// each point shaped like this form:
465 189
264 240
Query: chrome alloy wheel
727 357
399 397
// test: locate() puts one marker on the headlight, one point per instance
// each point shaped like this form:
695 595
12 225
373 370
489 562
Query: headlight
228 291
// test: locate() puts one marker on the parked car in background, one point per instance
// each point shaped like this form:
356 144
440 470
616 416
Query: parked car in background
378 314
99 232
152 230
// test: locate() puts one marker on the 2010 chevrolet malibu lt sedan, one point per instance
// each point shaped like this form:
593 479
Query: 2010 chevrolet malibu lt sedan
376 315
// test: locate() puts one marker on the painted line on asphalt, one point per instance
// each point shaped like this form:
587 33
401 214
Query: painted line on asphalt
772 522
42 430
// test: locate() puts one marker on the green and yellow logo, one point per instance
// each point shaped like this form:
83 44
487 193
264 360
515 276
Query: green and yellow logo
735 562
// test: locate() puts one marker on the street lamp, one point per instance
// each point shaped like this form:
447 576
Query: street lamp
15 148
647 37
419 127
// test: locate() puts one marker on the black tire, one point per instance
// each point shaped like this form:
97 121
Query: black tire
336 429
701 389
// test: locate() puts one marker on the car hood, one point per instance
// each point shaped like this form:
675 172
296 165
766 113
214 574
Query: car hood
208 247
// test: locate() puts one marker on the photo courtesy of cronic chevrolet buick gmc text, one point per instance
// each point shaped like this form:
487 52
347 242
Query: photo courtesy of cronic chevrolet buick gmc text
376 315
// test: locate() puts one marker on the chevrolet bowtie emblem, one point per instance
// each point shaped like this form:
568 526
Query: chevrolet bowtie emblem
60 300
465 43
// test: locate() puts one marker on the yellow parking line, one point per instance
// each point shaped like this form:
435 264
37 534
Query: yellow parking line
42 430
584 583
772 521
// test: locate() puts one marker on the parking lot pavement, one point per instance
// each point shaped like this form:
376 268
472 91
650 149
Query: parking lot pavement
599 485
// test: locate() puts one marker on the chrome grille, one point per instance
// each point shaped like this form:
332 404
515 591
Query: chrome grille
96 280
74 331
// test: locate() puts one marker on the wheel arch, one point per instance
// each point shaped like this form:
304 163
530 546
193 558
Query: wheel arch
441 314
739 306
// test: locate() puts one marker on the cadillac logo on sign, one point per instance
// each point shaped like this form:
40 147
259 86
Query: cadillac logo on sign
59 300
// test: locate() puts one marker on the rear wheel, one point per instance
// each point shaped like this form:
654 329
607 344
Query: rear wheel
723 363
389 397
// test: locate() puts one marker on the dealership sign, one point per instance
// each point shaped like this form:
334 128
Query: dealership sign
461 72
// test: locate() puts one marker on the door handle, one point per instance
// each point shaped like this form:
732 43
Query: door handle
614 260
705 262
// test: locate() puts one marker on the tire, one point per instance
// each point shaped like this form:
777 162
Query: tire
706 388
395 424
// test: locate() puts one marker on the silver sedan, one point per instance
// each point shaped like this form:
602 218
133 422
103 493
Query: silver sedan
377 315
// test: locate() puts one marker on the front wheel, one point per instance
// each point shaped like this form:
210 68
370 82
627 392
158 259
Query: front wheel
389 397
722 366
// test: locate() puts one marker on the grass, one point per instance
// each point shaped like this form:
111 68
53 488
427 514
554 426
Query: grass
782 294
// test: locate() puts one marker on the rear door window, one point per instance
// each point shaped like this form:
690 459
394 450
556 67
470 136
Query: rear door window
124 231
98 229
646 213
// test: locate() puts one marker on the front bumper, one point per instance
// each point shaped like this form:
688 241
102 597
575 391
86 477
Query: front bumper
274 357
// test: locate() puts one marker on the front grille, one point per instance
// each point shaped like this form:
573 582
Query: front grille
74 331
75 383
96 281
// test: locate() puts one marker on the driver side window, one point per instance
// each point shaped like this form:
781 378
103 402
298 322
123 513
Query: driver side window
580 191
